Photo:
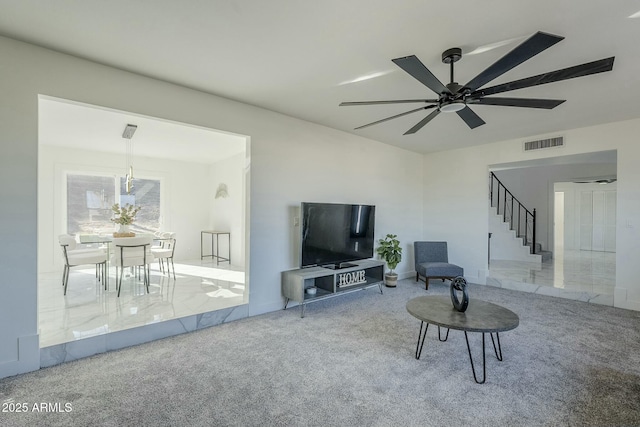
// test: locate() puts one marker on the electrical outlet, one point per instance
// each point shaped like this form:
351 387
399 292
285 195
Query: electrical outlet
296 221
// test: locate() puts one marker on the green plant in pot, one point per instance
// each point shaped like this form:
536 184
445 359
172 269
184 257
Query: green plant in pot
390 251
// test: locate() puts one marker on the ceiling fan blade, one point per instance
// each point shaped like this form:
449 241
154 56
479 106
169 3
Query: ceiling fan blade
587 69
398 101
470 118
412 65
422 122
525 50
395 117
519 102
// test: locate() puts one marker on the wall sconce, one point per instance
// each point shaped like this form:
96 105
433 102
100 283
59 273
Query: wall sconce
222 191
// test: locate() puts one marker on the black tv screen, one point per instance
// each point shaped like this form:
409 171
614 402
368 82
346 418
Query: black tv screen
336 233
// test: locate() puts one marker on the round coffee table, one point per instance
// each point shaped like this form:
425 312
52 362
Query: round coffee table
480 316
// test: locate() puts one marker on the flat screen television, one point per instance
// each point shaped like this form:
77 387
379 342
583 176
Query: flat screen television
333 234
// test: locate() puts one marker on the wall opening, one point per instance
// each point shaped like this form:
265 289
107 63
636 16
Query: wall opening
179 168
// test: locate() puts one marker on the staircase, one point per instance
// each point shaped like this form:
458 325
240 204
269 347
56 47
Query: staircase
512 227
546 255
506 245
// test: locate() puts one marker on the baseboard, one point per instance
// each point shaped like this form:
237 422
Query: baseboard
621 300
27 357
258 309
406 275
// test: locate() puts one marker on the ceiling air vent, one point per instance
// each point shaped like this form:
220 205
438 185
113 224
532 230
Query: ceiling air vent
544 143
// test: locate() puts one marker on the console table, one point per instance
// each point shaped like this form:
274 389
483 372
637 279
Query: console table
480 316
215 238
329 283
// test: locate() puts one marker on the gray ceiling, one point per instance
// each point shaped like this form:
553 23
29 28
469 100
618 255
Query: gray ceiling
292 56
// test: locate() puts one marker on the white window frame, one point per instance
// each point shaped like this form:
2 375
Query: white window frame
64 170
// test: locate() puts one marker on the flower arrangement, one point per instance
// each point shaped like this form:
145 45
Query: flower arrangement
124 215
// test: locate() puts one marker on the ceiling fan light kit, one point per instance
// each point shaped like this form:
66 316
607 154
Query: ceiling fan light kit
454 97
452 106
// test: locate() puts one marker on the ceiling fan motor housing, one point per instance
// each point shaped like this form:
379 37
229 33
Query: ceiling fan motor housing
454 87
451 55
454 100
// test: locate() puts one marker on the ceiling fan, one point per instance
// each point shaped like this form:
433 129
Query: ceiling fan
456 98
598 181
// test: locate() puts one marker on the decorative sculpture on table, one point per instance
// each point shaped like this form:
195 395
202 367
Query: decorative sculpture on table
124 217
459 285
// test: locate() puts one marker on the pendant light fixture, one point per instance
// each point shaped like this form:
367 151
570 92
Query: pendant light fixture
129 130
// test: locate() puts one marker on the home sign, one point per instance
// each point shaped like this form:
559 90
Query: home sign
351 278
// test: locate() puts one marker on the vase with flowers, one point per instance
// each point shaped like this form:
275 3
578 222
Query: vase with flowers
124 217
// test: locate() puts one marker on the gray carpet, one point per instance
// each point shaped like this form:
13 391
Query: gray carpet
350 362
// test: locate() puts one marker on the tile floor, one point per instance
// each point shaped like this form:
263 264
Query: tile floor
579 275
88 310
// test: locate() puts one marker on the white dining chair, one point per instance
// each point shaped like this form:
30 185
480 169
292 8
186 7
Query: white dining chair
165 252
132 252
74 256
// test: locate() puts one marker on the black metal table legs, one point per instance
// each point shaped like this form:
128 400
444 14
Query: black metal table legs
484 360
499 349
446 336
421 337
496 349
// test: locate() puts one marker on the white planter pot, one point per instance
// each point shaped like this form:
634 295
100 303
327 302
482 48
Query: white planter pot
391 280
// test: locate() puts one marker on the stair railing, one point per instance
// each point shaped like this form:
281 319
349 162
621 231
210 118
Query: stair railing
521 220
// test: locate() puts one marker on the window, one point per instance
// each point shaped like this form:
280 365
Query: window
145 193
90 197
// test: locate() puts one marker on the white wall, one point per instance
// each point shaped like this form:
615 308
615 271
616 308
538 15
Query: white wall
185 197
291 161
316 164
533 186
227 212
465 223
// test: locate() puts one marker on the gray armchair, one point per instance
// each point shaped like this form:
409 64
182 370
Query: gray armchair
432 262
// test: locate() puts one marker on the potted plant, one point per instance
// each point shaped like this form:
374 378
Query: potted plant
391 252
124 217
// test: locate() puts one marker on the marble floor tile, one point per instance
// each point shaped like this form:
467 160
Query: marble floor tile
580 275
88 310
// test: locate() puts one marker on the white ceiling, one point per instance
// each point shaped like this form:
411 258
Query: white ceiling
291 56
86 127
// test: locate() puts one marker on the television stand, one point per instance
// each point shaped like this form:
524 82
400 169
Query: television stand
339 266
329 282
